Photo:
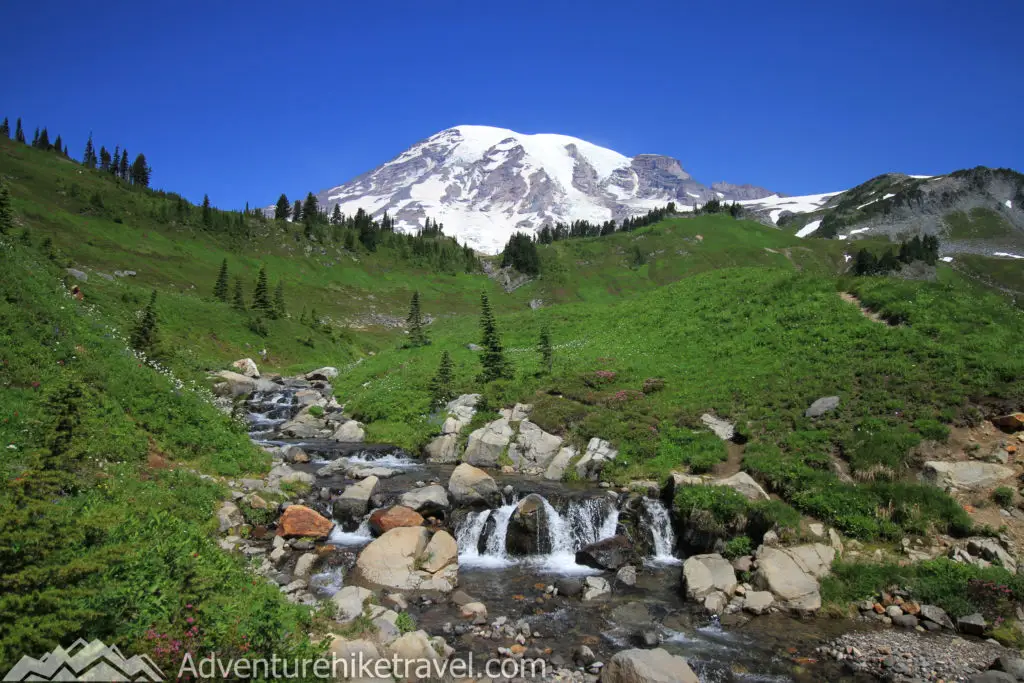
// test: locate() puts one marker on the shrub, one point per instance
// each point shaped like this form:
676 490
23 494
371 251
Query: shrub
699 451
875 447
405 623
932 429
316 411
1003 496
737 547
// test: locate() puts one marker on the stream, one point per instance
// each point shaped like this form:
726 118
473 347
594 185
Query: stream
746 649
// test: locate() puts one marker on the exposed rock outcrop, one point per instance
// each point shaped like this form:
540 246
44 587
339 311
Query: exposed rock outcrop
487 444
791 574
648 666
594 458
408 559
470 485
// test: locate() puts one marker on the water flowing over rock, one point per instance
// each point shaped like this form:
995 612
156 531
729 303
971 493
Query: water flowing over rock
528 532
594 458
487 444
705 574
648 666
792 574
247 367
299 521
354 501
470 485
968 475
427 500
398 560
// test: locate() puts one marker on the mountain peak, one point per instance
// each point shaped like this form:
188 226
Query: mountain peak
485 183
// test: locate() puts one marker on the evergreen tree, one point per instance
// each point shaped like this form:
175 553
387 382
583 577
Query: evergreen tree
122 170
297 211
521 254
65 152
417 335
207 211
89 157
220 290
336 218
115 163
144 337
5 128
547 353
310 208
441 386
139 172
279 308
238 301
104 159
19 133
492 358
35 137
44 140
261 295
6 214
58 144
283 209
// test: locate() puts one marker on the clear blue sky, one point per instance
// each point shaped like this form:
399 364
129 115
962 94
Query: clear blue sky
244 100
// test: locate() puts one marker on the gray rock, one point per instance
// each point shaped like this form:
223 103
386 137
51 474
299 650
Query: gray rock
1009 664
993 677
610 553
324 374
77 274
758 602
443 449
229 517
354 501
533 446
349 602
595 587
822 406
469 485
350 432
426 500
304 565
966 475
715 602
745 484
569 587
704 574
556 469
648 666
460 413
972 624
626 575
905 620
594 458
792 574
486 445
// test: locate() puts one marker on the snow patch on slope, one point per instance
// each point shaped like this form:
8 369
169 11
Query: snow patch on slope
808 229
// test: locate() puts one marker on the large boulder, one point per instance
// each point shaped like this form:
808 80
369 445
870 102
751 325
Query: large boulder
822 406
299 521
611 553
349 602
745 484
443 449
470 485
399 561
283 474
792 574
648 666
705 574
429 500
967 476
528 532
989 549
533 447
386 519
247 367
487 444
560 463
594 458
460 413
324 374
415 655
354 501
595 587
234 384
229 517
350 432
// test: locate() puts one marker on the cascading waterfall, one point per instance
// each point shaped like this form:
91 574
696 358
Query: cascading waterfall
268 411
660 524
467 536
360 536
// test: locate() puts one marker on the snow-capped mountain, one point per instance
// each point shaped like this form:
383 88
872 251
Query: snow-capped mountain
484 184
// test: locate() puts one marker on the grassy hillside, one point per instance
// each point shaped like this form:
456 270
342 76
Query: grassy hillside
105 529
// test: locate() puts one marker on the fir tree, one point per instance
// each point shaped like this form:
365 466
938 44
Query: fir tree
89 157
122 170
279 308
19 133
283 209
545 350
65 152
417 335
144 337
58 144
238 301
220 290
336 218
492 358
261 295
104 159
310 208
35 137
297 211
441 385
115 163
207 211
5 128
44 140
6 214
139 172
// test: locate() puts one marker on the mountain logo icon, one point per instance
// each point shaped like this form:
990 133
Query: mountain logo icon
85 661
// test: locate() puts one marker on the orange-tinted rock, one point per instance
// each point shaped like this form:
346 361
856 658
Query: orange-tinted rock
878 609
912 608
518 649
300 521
383 521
